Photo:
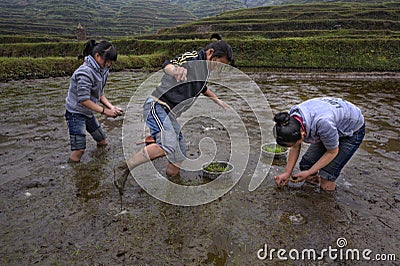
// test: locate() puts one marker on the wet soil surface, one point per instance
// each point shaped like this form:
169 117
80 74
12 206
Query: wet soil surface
54 213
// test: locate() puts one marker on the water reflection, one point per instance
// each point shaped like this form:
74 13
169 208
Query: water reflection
34 146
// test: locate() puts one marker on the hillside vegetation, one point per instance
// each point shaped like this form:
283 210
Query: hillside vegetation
207 8
98 17
103 18
322 19
58 19
331 36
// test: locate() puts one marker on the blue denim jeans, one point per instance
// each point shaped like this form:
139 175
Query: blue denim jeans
78 124
165 129
347 148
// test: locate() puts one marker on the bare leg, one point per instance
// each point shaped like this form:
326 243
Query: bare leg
102 143
313 179
173 169
76 156
121 172
148 153
327 185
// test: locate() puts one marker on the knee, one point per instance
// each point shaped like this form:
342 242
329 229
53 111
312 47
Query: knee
304 166
98 135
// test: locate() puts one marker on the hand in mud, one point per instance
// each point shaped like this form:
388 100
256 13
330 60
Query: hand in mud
113 112
302 176
282 179
118 110
110 113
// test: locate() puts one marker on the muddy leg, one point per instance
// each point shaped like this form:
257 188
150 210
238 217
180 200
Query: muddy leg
102 143
327 185
173 169
313 179
76 156
121 172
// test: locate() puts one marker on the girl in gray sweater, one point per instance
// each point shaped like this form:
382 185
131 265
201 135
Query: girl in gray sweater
85 93
334 127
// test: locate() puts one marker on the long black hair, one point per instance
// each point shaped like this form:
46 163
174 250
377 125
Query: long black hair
103 48
286 129
221 48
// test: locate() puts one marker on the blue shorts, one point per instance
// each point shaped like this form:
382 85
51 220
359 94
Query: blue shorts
165 129
78 124
347 148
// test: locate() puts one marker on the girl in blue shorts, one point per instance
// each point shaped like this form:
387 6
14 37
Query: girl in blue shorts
334 127
86 91
184 80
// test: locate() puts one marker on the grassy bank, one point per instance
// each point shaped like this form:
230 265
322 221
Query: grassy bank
13 68
333 36
306 53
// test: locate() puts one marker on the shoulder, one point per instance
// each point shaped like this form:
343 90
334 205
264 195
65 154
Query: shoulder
85 70
83 74
185 57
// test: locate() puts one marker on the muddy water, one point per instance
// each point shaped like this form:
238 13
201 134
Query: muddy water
55 213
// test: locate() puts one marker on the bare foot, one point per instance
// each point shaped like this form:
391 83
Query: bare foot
328 185
102 143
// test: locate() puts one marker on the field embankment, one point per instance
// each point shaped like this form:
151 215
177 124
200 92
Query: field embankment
341 36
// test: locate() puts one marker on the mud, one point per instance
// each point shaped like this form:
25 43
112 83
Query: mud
54 213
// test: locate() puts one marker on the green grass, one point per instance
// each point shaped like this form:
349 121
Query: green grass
13 68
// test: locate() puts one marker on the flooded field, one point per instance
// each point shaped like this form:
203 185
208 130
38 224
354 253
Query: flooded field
54 213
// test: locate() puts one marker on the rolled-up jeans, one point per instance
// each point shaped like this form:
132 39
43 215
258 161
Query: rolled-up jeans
78 124
347 148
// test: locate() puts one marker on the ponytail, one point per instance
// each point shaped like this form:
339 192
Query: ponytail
286 129
103 48
220 47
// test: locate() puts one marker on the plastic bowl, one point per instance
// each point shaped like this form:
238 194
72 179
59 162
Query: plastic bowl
271 149
217 164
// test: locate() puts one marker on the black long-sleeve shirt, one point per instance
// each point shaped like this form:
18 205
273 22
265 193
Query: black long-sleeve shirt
179 96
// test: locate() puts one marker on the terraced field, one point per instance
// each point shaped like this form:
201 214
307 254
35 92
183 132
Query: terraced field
99 17
331 36
344 20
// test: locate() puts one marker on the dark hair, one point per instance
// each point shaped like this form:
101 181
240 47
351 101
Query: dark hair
220 47
103 48
286 129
